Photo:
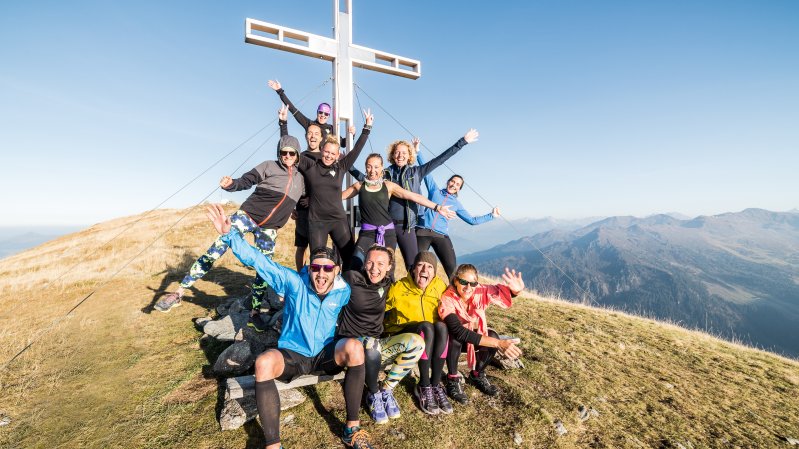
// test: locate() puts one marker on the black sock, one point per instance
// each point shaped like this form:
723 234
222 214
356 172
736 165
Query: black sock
268 401
353 389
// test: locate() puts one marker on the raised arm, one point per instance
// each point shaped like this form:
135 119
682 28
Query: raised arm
351 191
399 192
246 181
349 159
301 119
282 120
426 168
468 218
283 280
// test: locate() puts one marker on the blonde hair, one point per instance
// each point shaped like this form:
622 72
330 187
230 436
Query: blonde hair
393 147
331 138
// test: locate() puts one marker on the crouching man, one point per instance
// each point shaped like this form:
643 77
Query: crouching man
313 299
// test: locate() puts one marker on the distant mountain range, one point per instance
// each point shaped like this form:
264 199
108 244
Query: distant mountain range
734 274
17 239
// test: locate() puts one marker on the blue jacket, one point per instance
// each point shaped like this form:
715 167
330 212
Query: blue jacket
309 323
437 222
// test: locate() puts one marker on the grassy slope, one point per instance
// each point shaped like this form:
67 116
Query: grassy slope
115 375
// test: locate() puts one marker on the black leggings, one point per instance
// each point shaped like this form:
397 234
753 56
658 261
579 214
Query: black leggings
431 365
407 244
339 231
442 246
484 355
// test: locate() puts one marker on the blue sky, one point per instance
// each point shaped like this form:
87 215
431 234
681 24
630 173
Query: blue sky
585 108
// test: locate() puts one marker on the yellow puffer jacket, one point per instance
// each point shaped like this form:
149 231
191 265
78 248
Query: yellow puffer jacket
408 304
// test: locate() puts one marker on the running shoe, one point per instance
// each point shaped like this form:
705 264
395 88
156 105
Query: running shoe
441 399
427 401
356 438
455 390
257 323
377 410
392 408
167 302
481 382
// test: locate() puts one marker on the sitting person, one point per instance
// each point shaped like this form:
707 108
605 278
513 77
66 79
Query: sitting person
412 306
313 300
278 187
463 308
362 318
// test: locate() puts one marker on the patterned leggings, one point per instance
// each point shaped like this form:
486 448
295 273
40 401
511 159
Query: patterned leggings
403 350
264 240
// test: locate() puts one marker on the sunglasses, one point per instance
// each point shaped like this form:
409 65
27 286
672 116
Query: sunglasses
464 282
315 267
323 113
288 153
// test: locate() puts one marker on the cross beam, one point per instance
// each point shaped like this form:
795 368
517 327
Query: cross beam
339 50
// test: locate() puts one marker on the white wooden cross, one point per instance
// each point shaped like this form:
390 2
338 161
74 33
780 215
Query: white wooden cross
340 51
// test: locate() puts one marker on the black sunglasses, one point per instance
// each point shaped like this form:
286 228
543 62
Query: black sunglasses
288 153
323 113
315 267
464 282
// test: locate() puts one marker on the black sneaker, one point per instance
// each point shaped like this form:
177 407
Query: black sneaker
455 390
441 399
427 401
257 323
481 383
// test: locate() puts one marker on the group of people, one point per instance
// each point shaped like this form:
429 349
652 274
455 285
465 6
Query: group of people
343 310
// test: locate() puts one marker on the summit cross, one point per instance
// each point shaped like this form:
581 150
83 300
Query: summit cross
339 50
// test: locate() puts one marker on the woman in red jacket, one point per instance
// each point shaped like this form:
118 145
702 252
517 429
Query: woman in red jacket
462 308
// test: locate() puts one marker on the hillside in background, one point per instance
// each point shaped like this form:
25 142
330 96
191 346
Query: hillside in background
734 274
14 240
116 374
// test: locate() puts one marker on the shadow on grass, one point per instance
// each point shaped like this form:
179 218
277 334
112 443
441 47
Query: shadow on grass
233 282
334 424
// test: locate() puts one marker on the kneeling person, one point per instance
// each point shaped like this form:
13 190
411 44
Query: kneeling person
313 299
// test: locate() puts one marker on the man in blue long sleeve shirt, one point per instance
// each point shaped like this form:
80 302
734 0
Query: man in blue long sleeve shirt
313 299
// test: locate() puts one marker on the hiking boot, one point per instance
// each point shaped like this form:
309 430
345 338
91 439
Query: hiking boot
455 390
441 399
257 323
427 401
392 408
481 383
377 410
167 302
356 438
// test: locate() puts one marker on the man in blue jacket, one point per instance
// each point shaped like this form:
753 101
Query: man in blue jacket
313 299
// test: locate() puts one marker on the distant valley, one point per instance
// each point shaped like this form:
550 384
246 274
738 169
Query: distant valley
17 239
735 275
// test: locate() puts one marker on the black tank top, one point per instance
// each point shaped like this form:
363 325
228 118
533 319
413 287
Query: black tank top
374 206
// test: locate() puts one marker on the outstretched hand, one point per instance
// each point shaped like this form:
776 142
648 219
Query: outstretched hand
367 115
495 212
219 218
471 136
448 213
416 142
274 84
225 182
351 130
283 113
513 280
509 349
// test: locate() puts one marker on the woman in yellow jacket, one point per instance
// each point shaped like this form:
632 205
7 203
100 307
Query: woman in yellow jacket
412 306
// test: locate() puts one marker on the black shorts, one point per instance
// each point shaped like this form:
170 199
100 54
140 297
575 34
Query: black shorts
297 364
301 229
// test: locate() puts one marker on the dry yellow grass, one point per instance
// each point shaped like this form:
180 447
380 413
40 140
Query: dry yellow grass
114 375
